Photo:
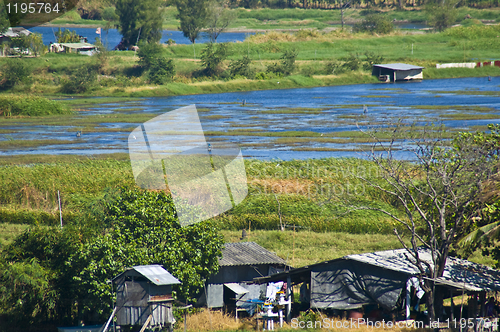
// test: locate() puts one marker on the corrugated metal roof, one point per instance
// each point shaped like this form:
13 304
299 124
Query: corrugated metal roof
458 273
154 273
78 45
236 288
398 66
247 253
15 32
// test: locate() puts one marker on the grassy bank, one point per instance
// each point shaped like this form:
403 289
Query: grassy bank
322 59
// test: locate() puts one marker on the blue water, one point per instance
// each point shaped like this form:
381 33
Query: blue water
112 37
341 109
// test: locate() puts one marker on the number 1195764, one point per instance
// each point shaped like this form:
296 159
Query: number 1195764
32 8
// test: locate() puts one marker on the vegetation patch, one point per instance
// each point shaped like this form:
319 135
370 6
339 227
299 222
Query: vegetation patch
29 105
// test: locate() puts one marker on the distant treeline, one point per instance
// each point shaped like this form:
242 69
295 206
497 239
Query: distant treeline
100 9
337 4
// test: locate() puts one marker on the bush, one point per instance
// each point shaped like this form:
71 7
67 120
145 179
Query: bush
148 53
82 80
371 59
334 67
211 58
262 76
352 62
287 64
241 67
13 72
162 70
30 105
375 24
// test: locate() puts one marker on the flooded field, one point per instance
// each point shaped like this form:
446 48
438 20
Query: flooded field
285 124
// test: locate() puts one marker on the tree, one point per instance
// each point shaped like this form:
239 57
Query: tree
219 17
14 72
161 71
83 79
4 19
438 193
67 36
192 16
139 20
211 58
241 67
442 14
145 230
375 24
287 65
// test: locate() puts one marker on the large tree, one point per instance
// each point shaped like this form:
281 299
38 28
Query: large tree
63 276
145 230
439 191
219 18
192 16
139 20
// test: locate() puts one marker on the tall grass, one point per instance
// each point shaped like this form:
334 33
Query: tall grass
12 105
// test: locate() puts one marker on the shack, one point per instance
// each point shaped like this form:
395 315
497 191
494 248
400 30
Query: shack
144 296
240 264
80 48
385 278
393 72
7 36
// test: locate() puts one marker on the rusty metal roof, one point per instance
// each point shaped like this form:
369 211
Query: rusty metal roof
247 253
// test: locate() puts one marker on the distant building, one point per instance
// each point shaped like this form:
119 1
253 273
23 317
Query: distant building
80 48
9 34
393 72
240 263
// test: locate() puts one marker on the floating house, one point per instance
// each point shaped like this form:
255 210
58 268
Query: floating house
240 264
144 296
385 279
393 72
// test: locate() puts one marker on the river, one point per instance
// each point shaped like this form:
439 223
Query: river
268 124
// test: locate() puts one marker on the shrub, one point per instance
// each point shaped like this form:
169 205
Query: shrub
148 53
82 80
241 67
211 58
30 105
286 66
371 59
352 62
262 76
13 72
375 24
334 67
161 71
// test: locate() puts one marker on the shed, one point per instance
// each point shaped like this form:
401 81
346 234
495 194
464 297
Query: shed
10 33
380 278
240 264
144 293
392 72
80 48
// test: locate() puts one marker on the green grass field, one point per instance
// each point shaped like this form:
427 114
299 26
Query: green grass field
121 75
